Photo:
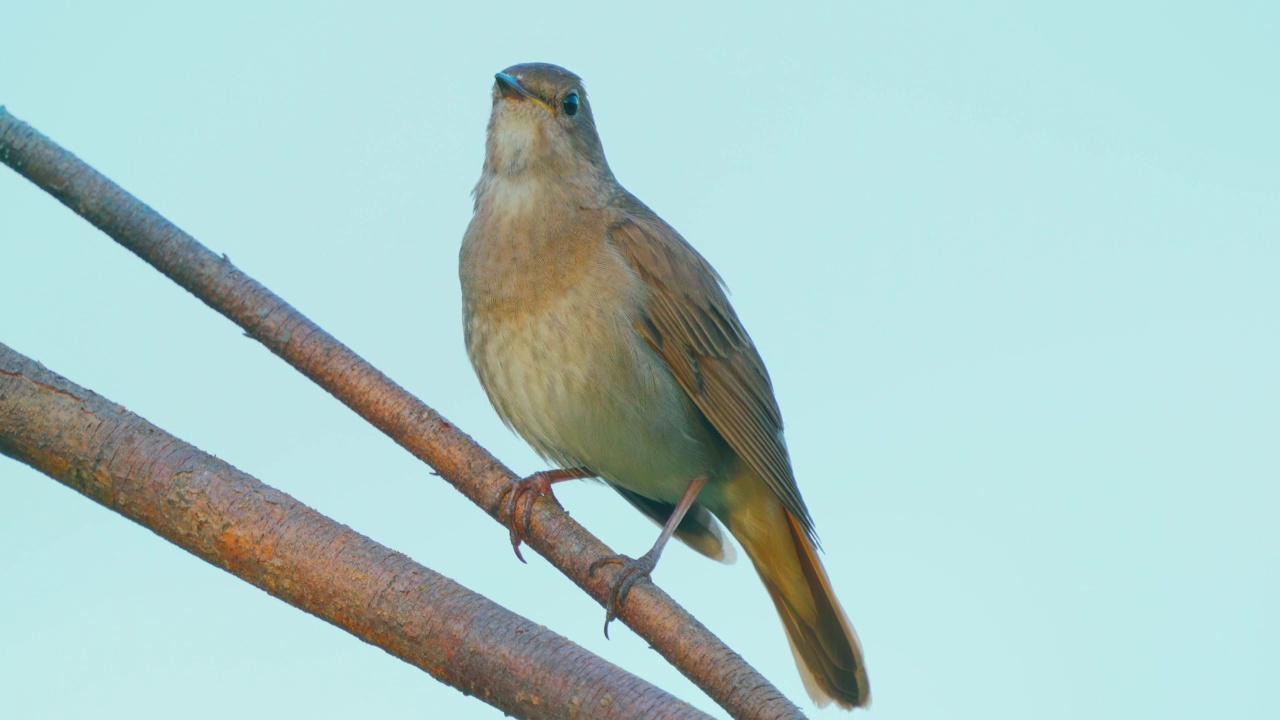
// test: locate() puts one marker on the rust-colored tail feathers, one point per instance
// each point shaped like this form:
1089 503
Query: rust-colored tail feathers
823 642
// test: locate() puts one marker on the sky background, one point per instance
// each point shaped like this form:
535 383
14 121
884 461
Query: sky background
1015 271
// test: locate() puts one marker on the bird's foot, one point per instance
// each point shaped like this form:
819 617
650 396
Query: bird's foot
632 571
517 500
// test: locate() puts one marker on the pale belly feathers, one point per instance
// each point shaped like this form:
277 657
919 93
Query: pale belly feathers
573 377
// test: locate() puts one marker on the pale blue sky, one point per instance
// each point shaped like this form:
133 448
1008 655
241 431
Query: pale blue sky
1014 270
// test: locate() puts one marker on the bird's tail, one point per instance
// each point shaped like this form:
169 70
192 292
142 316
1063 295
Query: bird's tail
823 642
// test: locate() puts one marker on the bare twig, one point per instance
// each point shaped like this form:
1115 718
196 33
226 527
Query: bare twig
651 613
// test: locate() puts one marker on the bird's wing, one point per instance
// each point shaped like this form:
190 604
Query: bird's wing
688 320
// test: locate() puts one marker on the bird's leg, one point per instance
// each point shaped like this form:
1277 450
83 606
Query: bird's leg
634 569
517 499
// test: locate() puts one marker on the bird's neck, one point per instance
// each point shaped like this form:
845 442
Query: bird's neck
521 189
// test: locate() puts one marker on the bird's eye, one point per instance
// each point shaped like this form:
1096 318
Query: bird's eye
570 104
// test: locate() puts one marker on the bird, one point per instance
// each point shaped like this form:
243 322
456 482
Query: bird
607 342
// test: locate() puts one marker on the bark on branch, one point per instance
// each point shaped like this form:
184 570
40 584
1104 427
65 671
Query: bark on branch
651 613
271 540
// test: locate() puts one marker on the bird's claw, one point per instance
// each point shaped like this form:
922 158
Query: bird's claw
632 571
517 501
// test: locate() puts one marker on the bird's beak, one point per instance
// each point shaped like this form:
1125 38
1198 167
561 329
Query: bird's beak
512 89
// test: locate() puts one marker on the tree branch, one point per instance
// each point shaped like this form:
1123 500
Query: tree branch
651 613
267 538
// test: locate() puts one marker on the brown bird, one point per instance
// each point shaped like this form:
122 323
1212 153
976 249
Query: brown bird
607 342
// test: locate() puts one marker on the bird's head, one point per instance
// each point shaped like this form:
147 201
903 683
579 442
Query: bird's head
541 122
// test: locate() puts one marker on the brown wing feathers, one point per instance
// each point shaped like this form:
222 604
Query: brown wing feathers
689 321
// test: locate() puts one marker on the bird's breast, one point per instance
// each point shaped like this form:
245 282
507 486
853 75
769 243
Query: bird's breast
559 356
